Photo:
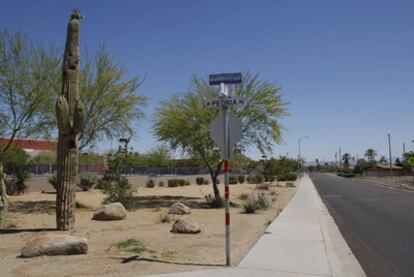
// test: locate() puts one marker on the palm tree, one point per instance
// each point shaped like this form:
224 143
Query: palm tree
346 157
370 154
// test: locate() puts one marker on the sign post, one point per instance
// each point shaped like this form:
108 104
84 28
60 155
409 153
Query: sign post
228 139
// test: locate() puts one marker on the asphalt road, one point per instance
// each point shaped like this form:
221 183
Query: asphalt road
377 222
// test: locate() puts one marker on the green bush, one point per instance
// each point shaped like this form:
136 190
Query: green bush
16 162
241 179
119 190
346 174
53 180
187 182
161 184
181 182
250 179
291 176
249 206
244 196
101 183
232 179
171 183
150 183
206 182
200 180
86 180
290 185
214 203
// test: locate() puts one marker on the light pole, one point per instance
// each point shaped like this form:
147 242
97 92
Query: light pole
299 156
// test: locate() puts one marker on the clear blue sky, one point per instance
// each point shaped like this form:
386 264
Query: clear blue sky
346 67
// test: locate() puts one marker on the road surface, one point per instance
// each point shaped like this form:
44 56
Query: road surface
377 223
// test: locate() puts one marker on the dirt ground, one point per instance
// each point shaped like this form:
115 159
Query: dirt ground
34 214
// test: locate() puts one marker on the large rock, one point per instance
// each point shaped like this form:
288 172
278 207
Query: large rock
179 208
185 225
55 244
113 211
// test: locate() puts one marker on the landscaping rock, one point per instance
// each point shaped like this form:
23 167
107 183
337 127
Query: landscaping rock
185 225
179 208
55 244
113 211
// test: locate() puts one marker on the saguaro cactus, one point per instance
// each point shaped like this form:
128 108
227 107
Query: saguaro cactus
70 114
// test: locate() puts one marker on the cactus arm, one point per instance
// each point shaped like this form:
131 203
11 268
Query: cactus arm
79 117
62 115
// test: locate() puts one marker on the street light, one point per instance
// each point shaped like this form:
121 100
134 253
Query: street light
299 157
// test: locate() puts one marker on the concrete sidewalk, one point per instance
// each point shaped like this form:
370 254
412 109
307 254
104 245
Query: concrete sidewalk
303 241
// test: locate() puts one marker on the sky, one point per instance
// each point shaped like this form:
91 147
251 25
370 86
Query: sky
346 68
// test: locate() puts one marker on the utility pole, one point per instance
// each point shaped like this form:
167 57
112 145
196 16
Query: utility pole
340 159
403 148
336 158
389 149
299 156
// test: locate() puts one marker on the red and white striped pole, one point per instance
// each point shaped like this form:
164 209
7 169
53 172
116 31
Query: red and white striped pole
226 177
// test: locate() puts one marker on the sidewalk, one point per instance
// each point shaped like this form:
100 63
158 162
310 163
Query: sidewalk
303 241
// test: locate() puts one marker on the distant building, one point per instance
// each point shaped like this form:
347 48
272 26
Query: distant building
383 169
33 146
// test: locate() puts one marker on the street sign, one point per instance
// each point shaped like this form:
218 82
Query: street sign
225 78
224 101
217 132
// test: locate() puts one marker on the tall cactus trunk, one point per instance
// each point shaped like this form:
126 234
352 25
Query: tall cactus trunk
70 114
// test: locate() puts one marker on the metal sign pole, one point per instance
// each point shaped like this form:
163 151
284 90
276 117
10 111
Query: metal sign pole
226 177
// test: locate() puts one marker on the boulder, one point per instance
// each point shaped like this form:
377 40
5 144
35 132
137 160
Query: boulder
185 225
113 211
55 244
179 208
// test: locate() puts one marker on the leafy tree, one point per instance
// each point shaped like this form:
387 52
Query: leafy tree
16 162
111 101
28 76
370 154
157 157
183 122
383 160
281 167
346 158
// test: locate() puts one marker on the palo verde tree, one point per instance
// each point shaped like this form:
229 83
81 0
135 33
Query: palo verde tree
112 102
183 121
27 78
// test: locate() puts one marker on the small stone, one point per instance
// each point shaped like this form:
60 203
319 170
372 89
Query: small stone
55 244
113 211
179 208
185 225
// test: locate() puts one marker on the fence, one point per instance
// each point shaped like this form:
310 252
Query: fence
47 169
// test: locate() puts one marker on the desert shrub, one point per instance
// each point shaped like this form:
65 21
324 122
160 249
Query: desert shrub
53 180
200 180
262 186
244 196
250 179
262 201
259 178
86 180
181 182
232 179
161 184
249 206
165 218
119 190
101 183
81 206
150 183
290 184
256 202
171 183
206 182
291 176
214 203
241 179
187 182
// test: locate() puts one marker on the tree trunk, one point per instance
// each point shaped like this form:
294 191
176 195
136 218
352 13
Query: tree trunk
214 175
66 184
4 201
